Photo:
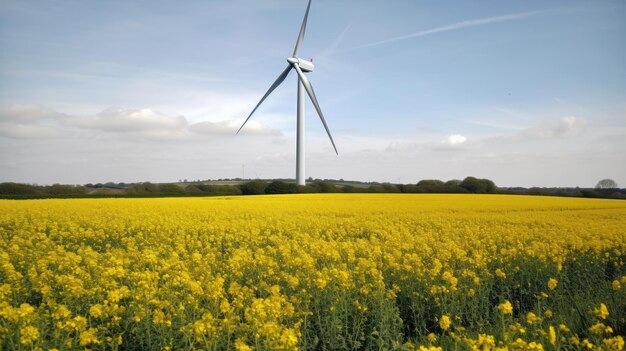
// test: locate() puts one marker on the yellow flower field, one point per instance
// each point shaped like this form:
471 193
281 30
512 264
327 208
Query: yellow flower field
314 272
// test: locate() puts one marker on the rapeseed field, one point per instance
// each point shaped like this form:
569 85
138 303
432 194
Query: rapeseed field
314 272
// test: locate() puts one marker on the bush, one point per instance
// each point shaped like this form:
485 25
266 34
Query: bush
142 188
278 187
214 190
328 188
171 189
256 187
310 188
18 189
478 186
58 189
430 186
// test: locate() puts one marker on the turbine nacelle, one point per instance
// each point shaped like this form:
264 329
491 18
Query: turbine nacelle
305 66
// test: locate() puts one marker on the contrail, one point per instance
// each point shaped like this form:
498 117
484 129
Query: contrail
453 26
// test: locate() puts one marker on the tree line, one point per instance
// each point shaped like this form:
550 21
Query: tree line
469 185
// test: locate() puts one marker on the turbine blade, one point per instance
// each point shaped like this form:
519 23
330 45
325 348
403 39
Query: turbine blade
302 30
309 89
278 81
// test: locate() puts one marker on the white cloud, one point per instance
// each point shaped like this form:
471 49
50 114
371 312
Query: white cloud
131 120
143 144
402 146
34 121
450 143
26 114
567 126
456 139
24 131
230 127
21 121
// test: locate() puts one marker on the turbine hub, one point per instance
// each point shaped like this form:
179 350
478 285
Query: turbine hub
305 66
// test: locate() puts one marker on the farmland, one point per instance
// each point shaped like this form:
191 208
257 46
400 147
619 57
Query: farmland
323 272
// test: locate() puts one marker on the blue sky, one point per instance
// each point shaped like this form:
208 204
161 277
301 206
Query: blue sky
528 93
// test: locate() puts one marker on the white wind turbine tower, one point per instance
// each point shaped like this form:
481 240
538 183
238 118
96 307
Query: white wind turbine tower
300 66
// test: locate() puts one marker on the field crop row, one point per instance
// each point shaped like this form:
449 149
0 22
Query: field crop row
314 272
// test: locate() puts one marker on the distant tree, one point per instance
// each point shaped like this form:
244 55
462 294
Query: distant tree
142 188
607 184
256 187
215 190
390 188
478 186
58 189
430 186
375 188
429 182
279 187
193 189
18 189
328 188
453 182
591 193
351 189
171 189
408 188
453 186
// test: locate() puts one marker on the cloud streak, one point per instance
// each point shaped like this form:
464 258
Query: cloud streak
451 27
36 122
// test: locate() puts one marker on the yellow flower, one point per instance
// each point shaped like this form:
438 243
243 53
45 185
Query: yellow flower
95 310
614 344
587 344
225 306
28 334
602 312
506 307
600 329
432 338
445 322
500 274
240 345
158 317
552 335
519 343
78 323
61 312
531 318
484 342
548 313
552 283
616 285
88 337
25 310
288 339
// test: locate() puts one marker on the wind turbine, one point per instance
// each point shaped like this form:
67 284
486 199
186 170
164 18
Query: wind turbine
300 66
